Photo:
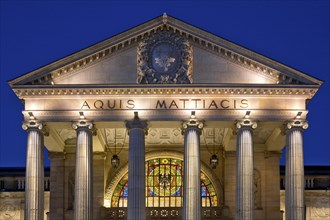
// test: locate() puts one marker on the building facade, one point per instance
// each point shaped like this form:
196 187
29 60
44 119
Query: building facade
165 120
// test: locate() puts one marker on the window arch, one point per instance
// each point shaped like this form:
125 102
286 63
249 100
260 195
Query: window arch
164 185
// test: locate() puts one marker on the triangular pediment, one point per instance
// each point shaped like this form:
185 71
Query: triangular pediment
210 60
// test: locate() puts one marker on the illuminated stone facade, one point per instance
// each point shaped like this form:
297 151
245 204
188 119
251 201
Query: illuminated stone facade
166 88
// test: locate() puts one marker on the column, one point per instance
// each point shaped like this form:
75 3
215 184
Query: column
244 170
192 180
34 177
136 169
294 171
83 190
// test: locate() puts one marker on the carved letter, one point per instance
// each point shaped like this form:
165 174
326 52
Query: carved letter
213 104
173 103
244 103
111 106
85 104
98 104
222 103
130 104
196 100
184 102
161 105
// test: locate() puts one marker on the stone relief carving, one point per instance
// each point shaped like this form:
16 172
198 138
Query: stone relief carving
164 136
9 211
164 58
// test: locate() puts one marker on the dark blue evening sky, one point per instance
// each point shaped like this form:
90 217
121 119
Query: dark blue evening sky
35 33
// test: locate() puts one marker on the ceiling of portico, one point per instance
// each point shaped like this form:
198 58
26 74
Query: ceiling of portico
212 137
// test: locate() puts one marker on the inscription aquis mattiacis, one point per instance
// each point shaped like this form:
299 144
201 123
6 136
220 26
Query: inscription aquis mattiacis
117 104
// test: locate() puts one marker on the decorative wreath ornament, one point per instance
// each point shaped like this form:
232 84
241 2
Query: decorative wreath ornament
164 58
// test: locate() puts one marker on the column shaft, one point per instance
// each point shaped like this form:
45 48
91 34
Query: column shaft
136 175
136 170
294 176
244 172
191 183
34 177
83 201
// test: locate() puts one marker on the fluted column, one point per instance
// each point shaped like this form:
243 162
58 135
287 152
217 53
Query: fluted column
34 177
192 180
83 190
244 170
294 171
136 169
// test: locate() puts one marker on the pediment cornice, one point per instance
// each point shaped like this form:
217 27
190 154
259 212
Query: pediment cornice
232 52
192 90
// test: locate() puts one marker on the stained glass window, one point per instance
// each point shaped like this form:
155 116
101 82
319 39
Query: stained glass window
164 186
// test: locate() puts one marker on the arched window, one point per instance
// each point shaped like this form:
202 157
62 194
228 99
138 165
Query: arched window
164 179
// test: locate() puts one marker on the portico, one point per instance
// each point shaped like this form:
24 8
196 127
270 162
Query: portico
173 91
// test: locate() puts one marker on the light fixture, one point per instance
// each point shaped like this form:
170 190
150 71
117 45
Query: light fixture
298 116
81 115
31 116
115 160
214 160
247 114
193 115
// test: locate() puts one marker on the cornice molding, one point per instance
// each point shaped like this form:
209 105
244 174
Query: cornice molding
254 90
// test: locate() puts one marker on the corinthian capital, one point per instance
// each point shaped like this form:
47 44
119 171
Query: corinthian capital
246 123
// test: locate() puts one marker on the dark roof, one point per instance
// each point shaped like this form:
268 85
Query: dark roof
17 171
311 170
